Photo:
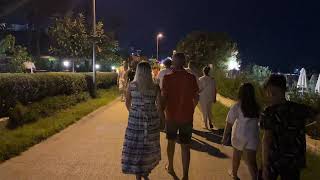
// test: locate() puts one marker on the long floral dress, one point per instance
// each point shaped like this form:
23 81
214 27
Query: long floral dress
141 150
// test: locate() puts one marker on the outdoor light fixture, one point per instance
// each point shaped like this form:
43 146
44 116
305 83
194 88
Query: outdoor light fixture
113 67
233 63
97 66
66 63
159 36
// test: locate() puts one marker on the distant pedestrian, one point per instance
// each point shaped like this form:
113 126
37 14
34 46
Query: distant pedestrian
180 94
283 124
167 70
132 71
155 73
122 81
208 94
141 149
243 119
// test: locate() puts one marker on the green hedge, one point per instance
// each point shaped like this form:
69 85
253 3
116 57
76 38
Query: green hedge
22 114
229 88
26 88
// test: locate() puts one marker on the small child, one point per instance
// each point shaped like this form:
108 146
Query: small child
243 119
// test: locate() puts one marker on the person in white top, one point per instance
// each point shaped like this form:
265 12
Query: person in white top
243 119
208 93
167 64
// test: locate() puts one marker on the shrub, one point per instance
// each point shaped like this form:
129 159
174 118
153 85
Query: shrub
22 114
105 79
27 88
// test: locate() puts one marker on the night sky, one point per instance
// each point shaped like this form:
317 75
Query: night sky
283 34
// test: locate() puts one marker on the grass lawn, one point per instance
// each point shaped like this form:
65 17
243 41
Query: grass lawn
13 142
312 171
219 112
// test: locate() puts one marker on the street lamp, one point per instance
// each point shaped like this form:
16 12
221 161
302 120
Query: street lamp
159 36
66 64
98 66
94 45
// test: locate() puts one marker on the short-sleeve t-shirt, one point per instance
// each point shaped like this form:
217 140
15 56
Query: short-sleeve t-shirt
180 88
287 125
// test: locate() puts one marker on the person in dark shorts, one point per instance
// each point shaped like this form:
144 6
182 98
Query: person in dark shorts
180 95
283 124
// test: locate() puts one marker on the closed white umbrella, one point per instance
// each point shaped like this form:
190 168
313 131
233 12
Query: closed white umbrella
318 85
302 82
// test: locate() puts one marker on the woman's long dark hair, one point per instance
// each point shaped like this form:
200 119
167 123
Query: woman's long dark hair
249 106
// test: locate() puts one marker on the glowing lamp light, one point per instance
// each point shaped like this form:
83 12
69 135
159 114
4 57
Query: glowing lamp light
160 35
98 66
233 63
66 63
113 67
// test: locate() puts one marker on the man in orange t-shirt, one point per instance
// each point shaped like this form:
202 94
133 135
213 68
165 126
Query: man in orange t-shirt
180 94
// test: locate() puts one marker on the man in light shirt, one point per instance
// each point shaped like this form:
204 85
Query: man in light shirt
167 64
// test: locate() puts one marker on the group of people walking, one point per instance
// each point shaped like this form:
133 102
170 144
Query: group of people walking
172 101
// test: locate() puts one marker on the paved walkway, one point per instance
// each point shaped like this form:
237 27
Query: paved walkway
91 149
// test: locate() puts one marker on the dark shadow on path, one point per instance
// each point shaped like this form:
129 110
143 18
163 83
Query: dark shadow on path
199 145
214 136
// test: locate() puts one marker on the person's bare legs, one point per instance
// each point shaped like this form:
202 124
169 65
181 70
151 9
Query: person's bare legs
170 154
138 177
204 113
209 109
185 153
235 162
252 163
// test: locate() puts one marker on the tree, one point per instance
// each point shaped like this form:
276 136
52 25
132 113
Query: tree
17 53
71 38
207 48
258 73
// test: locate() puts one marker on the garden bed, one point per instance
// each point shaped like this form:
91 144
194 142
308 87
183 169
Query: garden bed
15 141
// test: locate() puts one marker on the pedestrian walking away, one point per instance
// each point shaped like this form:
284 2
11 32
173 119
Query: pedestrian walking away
180 96
208 94
284 126
243 119
141 149
167 70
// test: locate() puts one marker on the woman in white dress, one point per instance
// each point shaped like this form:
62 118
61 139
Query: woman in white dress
243 119
208 94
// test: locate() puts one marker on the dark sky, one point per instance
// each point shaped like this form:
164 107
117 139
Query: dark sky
283 34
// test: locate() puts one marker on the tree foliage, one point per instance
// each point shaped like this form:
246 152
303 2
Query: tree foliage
17 54
69 37
258 73
207 48
72 37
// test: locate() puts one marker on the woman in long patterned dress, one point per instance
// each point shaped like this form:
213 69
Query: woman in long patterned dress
141 150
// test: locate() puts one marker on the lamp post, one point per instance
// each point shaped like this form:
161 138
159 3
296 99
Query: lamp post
159 36
94 45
